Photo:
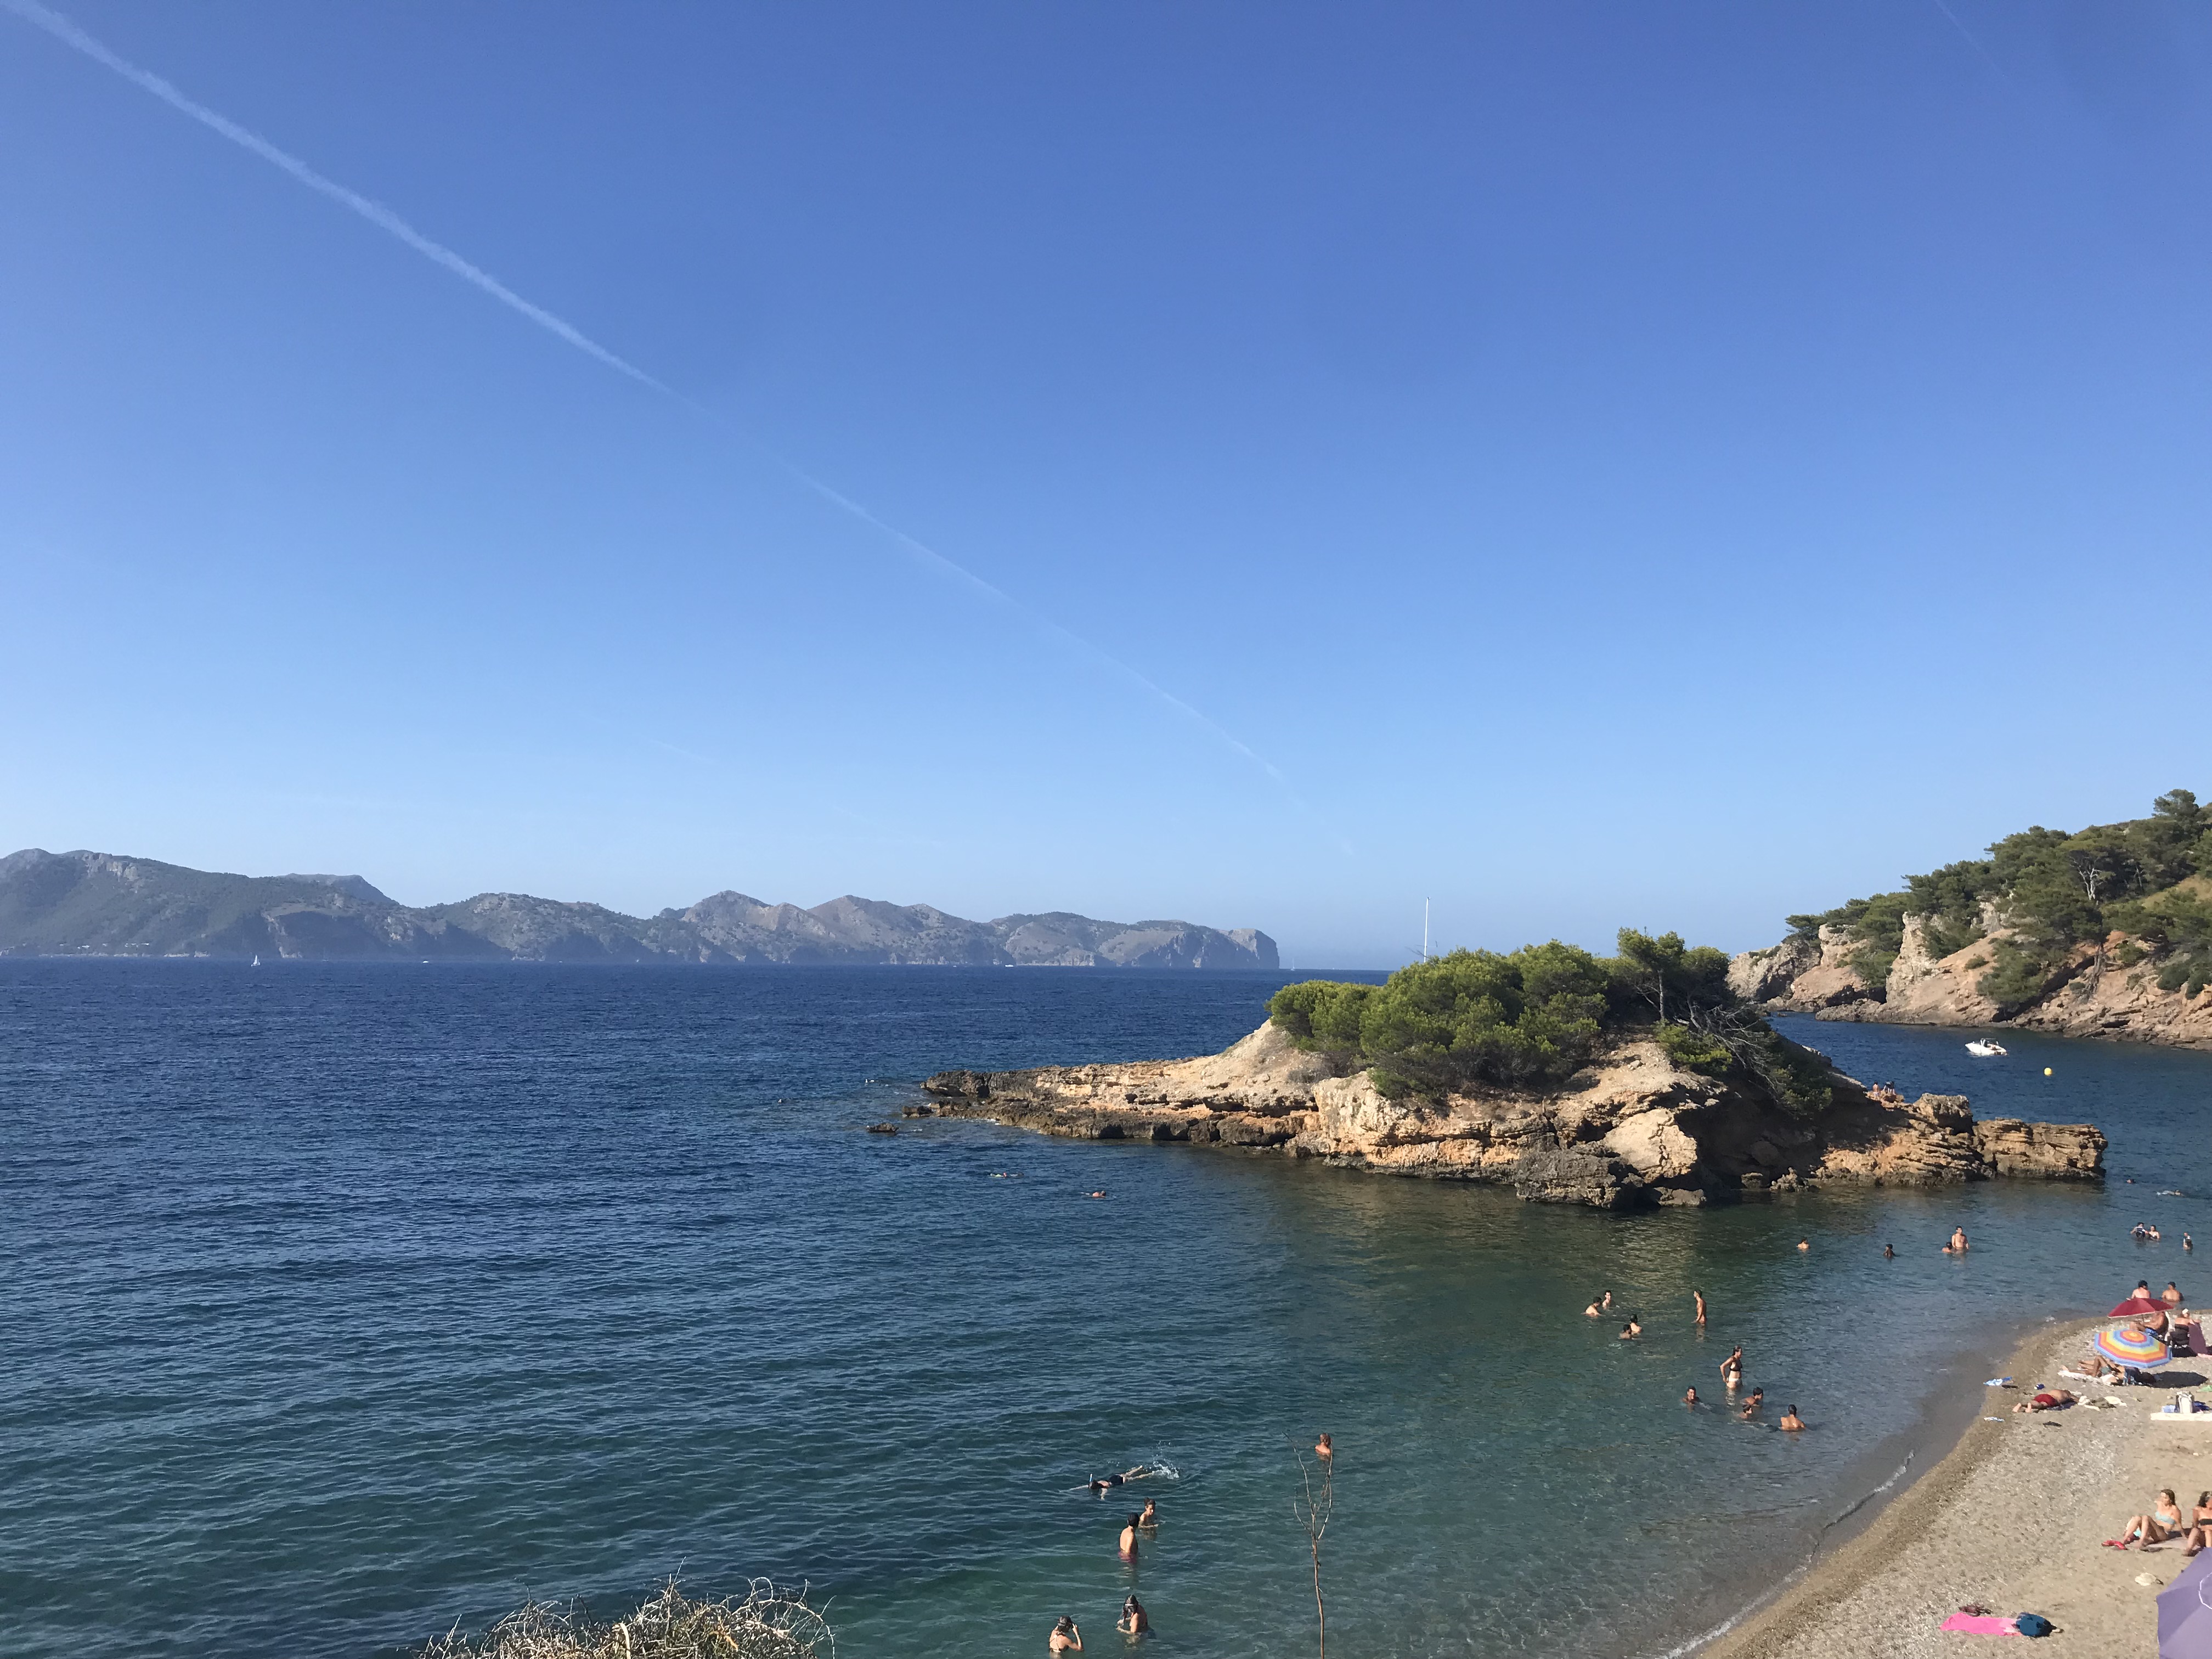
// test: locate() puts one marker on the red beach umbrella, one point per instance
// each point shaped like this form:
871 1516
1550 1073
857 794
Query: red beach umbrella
2136 1304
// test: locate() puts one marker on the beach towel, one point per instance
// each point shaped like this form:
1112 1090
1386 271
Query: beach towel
1989 1624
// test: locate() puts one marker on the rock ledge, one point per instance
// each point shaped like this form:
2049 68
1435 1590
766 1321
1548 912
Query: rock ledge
1631 1129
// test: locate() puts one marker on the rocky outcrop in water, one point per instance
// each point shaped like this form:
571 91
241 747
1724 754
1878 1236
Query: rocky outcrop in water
1632 1128
2095 991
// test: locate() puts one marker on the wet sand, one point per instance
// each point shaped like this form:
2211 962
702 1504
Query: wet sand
2014 1518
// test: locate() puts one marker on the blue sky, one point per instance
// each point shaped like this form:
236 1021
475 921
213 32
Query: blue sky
1583 464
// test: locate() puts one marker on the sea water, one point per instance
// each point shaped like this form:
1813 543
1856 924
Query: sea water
346 1303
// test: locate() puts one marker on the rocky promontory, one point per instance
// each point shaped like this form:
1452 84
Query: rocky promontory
1631 1128
2105 988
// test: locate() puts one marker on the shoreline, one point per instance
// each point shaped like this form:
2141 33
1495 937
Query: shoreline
2012 1516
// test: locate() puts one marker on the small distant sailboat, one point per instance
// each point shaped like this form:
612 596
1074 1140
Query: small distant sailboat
257 962
1982 1049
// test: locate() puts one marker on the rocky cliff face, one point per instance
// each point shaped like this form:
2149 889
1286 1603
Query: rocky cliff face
2093 992
1633 1129
98 904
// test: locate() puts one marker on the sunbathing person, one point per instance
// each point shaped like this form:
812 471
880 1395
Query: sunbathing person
2163 1524
2046 1400
2200 1524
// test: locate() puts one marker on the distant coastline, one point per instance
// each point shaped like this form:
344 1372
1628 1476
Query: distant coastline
101 904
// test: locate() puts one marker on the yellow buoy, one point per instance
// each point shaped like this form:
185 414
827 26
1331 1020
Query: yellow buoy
2046 1071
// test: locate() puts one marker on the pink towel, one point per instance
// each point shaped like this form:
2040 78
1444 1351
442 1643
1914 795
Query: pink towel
1987 1624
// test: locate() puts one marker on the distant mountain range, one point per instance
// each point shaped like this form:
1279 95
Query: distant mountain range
100 904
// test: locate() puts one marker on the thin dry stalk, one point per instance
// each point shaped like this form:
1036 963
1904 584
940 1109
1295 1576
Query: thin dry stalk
1313 1515
767 1623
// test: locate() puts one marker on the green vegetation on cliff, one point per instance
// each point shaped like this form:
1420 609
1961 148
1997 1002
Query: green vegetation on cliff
1530 1018
2051 890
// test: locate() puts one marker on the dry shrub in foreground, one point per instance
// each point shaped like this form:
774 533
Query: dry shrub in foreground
767 1624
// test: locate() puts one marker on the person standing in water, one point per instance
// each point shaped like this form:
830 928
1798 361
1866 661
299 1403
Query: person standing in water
1790 1420
1066 1637
1691 1398
1698 1297
1322 1449
1133 1622
1957 1244
1129 1539
1887 1254
1733 1362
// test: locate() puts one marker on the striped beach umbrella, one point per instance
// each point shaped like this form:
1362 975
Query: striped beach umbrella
2132 1344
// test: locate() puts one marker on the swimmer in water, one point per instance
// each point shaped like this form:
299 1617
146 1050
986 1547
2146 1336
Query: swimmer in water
2187 1242
1698 1297
1106 1483
1691 1398
1129 1539
1804 1244
1594 1309
1790 1420
1887 1254
1322 1450
1133 1622
1733 1362
1631 1330
1100 1193
2170 1296
1066 1637
1752 1405
1606 1302
1149 1519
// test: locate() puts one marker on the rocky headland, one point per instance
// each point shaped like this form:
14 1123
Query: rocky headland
2106 987
1631 1128
2104 931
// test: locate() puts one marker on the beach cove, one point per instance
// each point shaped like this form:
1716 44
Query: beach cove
494 1283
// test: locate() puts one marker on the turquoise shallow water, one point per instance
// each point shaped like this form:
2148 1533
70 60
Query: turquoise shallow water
349 1302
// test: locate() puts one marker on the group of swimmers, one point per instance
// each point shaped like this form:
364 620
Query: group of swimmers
1067 1634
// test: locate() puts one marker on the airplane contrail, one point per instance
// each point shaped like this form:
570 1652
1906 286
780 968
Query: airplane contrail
439 254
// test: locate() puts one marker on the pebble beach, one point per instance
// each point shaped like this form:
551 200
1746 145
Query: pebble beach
2014 1518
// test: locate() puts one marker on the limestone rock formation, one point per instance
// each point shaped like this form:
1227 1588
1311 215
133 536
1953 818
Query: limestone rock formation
1631 1129
2094 992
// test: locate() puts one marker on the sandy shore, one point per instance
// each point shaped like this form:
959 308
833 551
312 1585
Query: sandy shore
2013 1518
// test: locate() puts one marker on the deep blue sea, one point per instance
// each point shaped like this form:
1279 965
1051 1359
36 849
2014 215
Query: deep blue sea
345 1303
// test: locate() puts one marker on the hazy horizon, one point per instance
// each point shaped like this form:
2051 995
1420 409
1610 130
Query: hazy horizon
1263 467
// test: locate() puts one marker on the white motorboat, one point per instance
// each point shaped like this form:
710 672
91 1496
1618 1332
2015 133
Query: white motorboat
1982 1049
